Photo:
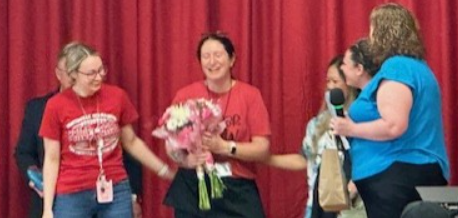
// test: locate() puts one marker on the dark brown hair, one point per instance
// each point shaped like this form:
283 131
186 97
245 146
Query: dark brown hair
360 54
218 36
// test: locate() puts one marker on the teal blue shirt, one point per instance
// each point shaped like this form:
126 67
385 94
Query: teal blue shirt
423 141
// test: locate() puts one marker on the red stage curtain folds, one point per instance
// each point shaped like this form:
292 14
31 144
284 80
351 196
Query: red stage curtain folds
282 48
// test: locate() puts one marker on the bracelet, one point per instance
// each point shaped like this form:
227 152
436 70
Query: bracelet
163 171
134 197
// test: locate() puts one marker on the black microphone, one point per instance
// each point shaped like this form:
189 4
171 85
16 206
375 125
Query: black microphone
337 99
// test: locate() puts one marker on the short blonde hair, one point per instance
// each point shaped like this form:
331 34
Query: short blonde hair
74 53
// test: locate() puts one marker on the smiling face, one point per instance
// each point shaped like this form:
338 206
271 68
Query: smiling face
352 70
335 80
215 60
89 76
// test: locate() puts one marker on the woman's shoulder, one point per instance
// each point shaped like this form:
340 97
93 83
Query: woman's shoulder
193 90
246 88
402 61
112 91
60 99
66 94
111 88
403 69
192 87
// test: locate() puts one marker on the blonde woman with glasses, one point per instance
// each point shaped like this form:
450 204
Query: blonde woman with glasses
84 128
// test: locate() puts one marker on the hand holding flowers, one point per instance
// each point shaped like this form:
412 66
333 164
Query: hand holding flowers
215 144
184 126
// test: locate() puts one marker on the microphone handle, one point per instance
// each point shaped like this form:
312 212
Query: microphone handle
339 143
340 112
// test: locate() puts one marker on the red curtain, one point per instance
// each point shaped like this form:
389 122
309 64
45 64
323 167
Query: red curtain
282 48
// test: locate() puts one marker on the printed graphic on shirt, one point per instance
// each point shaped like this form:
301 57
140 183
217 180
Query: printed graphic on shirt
233 123
85 131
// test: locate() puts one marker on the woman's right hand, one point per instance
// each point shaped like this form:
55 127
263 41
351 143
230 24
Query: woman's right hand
343 126
353 191
48 214
192 160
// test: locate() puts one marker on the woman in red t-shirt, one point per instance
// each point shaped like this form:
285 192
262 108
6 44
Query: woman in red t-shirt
83 129
244 141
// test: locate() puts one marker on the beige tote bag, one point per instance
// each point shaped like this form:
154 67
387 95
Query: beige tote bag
332 187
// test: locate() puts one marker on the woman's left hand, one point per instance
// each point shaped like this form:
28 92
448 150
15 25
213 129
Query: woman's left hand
214 143
353 191
342 126
137 208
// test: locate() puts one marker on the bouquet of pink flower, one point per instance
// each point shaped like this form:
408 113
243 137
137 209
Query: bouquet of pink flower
182 126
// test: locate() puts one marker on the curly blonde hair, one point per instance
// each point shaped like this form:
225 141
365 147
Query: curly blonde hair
395 31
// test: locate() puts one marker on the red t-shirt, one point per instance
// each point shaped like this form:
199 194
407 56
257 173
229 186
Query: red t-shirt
77 123
245 115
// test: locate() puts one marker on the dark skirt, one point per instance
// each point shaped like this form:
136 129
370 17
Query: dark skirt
240 200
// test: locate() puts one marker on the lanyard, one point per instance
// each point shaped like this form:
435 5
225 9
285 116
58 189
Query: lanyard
100 153
340 148
97 134
227 100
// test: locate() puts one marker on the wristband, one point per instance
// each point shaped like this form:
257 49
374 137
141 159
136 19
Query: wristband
163 171
134 197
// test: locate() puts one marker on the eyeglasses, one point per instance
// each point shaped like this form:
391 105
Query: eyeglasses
102 71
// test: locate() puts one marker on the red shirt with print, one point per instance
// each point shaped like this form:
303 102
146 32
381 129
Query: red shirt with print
245 115
78 124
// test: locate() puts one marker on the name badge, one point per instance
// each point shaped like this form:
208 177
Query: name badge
223 169
104 190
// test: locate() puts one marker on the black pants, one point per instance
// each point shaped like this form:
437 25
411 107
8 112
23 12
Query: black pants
36 205
184 214
387 193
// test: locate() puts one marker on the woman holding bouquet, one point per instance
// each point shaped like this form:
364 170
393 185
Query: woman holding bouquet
243 142
83 129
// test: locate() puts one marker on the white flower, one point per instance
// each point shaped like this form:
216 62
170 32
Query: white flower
171 124
181 123
179 116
